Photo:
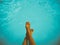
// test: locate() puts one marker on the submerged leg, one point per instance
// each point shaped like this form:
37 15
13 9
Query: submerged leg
29 35
25 42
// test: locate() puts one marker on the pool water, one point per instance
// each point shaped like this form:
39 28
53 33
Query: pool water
44 16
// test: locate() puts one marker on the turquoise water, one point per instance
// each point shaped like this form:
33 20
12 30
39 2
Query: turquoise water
44 16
